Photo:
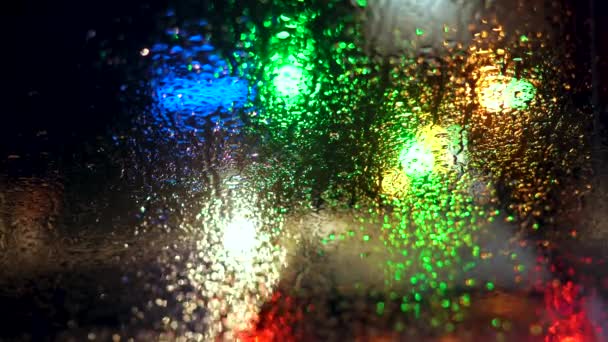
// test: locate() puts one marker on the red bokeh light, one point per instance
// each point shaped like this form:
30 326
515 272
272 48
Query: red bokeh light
565 309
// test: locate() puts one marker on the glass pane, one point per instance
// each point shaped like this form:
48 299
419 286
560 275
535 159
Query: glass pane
380 170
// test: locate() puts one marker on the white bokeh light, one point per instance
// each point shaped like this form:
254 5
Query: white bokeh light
395 26
239 266
240 238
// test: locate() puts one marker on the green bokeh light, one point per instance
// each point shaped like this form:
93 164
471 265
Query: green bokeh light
520 93
435 149
289 80
417 160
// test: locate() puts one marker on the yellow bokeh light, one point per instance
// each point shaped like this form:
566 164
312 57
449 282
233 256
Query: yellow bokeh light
395 183
492 94
434 150
498 92
437 140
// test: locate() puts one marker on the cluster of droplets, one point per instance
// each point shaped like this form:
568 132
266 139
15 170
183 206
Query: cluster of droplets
424 143
223 265
285 69
245 264
194 85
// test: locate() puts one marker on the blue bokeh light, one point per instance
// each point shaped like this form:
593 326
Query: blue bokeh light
194 86
200 94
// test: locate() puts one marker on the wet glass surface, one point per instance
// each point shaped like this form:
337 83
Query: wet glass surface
389 170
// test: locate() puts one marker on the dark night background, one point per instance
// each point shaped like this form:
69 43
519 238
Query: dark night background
53 76
53 80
